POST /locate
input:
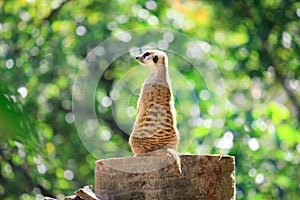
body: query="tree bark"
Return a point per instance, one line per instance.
(149, 177)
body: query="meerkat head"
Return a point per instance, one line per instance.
(154, 59)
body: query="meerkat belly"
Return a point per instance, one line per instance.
(155, 126)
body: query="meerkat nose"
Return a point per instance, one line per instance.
(137, 57)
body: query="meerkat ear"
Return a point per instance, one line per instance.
(155, 59)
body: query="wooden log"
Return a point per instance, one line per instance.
(86, 193)
(149, 177)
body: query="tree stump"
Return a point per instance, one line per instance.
(149, 177)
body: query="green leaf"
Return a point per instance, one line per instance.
(277, 112)
(288, 134)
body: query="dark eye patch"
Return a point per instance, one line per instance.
(155, 59)
(146, 54)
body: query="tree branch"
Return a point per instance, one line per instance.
(55, 11)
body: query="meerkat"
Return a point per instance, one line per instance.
(155, 130)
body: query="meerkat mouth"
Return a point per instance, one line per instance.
(140, 59)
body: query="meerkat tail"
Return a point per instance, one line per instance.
(170, 154)
(175, 160)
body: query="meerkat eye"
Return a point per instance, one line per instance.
(155, 59)
(146, 54)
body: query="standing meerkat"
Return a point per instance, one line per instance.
(155, 131)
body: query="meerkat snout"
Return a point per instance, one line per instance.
(139, 58)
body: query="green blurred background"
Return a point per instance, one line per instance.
(254, 44)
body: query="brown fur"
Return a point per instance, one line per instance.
(154, 127)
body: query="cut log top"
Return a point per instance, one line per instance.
(150, 177)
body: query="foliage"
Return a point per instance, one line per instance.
(253, 44)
